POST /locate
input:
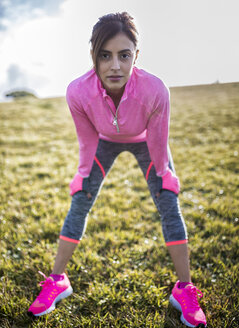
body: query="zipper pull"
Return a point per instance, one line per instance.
(115, 122)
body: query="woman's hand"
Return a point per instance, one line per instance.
(79, 184)
(170, 182)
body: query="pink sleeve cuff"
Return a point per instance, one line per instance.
(171, 182)
(76, 184)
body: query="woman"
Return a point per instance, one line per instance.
(117, 107)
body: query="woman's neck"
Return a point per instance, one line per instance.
(116, 96)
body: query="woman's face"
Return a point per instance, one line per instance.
(115, 63)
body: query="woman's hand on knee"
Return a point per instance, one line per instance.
(79, 184)
(168, 181)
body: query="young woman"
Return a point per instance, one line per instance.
(117, 107)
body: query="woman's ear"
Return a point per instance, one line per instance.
(136, 55)
(91, 53)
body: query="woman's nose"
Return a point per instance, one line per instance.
(115, 63)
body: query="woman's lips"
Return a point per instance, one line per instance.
(115, 77)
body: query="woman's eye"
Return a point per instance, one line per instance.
(125, 56)
(104, 56)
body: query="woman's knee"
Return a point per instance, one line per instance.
(167, 201)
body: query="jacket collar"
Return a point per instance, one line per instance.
(129, 87)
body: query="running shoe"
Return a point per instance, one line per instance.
(186, 301)
(51, 293)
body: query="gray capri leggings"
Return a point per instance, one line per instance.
(173, 226)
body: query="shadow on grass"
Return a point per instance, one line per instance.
(172, 318)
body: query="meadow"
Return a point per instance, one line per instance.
(121, 272)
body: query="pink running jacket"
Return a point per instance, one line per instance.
(143, 115)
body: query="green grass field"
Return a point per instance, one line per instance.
(121, 272)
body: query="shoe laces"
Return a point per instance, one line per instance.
(194, 293)
(45, 284)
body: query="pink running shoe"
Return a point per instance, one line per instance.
(52, 292)
(185, 300)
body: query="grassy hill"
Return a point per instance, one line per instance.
(121, 272)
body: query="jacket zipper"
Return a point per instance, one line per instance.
(115, 121)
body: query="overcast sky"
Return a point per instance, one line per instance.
(44, 44)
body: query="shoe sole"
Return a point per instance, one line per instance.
(177, 306)
(61, 296)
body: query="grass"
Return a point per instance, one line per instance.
(121, 272)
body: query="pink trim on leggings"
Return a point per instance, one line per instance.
(101, 167)
(149, 168)
(178, 242)
(75, 241)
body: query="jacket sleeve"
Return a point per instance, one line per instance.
(86, 133)
(158, 131)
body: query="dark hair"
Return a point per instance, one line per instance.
(107, 27)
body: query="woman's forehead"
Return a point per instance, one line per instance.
(119, 43)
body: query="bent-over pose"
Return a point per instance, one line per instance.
(118, 107)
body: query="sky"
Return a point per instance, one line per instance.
(44, 44)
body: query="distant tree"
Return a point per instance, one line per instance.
(19, 94)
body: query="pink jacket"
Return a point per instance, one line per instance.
(143, 115)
